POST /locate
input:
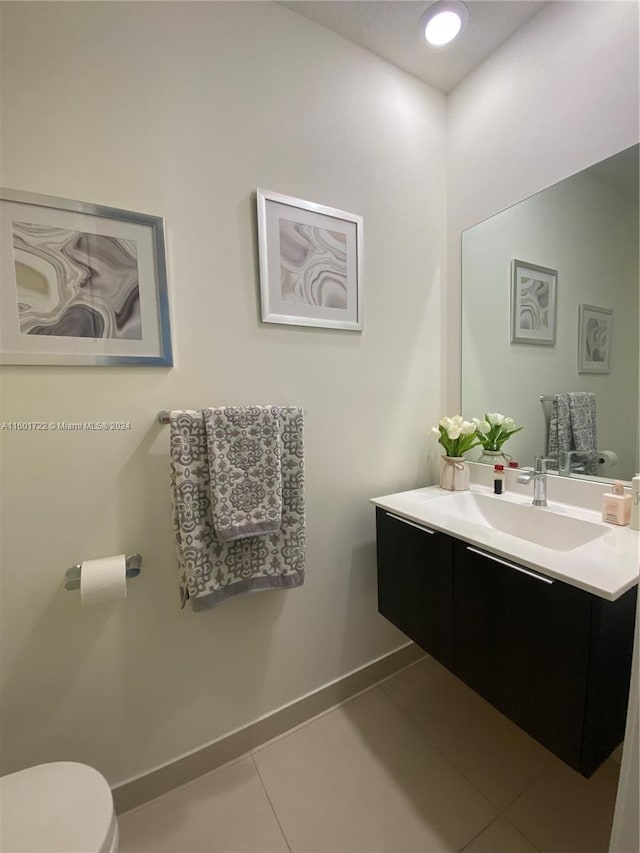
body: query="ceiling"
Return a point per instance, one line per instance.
(390, 29)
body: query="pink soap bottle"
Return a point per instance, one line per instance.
(616, 506)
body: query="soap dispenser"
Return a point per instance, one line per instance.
(616, 506)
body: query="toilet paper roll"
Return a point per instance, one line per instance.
(607, 458)
(103, 580)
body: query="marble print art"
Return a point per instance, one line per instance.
(313, 265)
(596, 342)
(534, 303)
(76, 284)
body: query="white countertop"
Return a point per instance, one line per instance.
(606, 566)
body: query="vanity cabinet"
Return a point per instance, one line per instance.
(415, 583)
(553, 658)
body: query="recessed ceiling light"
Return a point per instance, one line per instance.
(443, 21)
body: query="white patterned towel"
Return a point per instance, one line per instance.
(243, 447)
(210, 571)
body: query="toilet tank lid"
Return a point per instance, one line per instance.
(56, 807)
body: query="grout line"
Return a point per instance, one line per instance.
(497, 818)
(484, 829)
(517, 829)
(522, 793)
(273, 809)
(445, 756)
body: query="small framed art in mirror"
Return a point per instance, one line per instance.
(594, 339)
(533, 304)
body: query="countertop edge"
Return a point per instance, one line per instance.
(607, 593)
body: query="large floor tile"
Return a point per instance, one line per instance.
(500, 837)
(565, 813)
(363, 778)
(222, 812)
(497, 756)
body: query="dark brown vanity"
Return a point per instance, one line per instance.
(553, 658)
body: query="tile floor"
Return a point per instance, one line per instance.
(418, 763)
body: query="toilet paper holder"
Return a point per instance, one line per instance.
(72, 575)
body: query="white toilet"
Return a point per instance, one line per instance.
(62, 807)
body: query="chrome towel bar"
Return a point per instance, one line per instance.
(164, 417)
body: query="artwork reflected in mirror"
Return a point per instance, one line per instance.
(576, 293)
(533, 304)
(594, 339)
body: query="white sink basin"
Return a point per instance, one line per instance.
(540, 525)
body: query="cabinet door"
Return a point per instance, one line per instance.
(522, 642)
(415, 583)
(610, 657)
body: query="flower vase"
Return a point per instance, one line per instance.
(454, 473)
(494, 457)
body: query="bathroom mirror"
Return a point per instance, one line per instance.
(575, 326)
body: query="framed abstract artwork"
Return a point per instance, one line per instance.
(533, 304)
(595, 326)
(81, 284)
(310, 263)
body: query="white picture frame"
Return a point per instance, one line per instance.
(310, 263)
(533, 304)
(81, 284)
(595, 330)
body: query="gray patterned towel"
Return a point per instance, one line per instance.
(559, 426)
(574, 426)
(211, 571)
(243, 447)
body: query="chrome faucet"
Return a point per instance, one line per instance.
(539, 477)
(565, 458)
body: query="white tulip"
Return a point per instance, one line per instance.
(446, 423)
(467, 428)
(453, 432)
(483, 427)
(495, 418)
(509, 424)
(435, 432)
(457, 420)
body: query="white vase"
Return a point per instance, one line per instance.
(494, 457)
(454, 473)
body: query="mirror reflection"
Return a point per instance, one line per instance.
(550, 321)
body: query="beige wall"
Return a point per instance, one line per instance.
(183, 110)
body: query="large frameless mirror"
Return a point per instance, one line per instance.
(550, 321)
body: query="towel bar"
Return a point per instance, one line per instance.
(164, 417)
(72, 575)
